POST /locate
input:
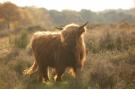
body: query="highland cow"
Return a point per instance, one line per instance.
(59, 50)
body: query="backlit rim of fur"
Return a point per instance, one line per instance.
(70, 25)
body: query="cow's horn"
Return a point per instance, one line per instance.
(84, 24)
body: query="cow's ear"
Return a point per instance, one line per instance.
(81, 28)
(60, 27)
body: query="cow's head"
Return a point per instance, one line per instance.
(73, 30)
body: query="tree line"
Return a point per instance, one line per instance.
(14, 17)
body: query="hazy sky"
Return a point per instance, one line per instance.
(94, 5)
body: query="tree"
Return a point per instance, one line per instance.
(9, 12)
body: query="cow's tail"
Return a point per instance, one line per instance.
(31, 70)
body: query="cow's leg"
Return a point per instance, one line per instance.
(45, 74)
(40, 76)
(41, 72)
(75, 71)
(31, 70)
(59, 74)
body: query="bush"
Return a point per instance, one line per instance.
(109, 39)
(109, 70)
(8, 77)
(22, 40)
(19, 40)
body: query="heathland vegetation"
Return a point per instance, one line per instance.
(110, 40)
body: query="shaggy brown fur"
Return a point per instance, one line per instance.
(58, 50)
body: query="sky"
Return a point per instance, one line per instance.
(93, 5)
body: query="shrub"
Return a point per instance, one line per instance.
(19, 40)
(22, 40)
(109, 70)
